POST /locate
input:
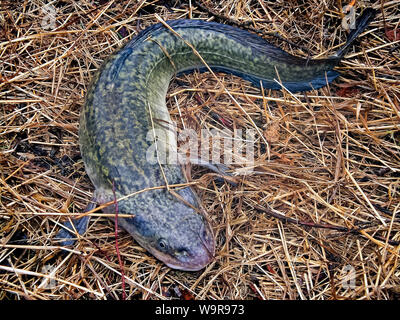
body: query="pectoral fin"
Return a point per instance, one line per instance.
(68, 234)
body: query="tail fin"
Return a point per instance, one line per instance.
(361, 23)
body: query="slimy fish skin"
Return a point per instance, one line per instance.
(126, 101)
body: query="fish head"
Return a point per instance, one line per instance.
(173, 232)
(190, 248)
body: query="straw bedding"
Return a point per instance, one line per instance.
(318, 218)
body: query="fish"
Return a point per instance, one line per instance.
(125, 106)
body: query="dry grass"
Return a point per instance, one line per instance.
(333, 158)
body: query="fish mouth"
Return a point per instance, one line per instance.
(198, 259)
(186, 267)
(194, 263)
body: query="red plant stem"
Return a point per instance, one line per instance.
(117, 246)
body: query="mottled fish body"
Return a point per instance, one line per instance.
(126, 101)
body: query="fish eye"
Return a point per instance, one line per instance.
(162, 244)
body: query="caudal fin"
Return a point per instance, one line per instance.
(361, 23)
